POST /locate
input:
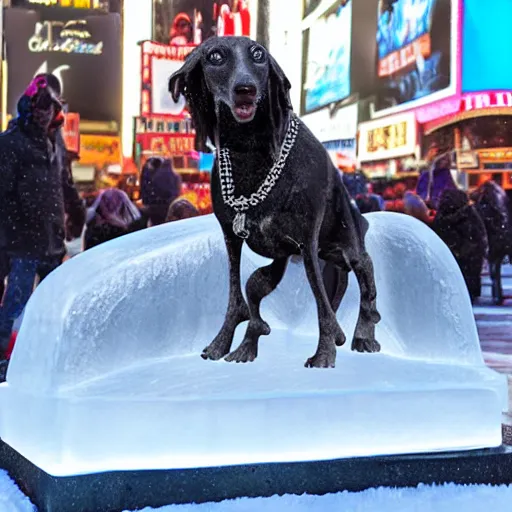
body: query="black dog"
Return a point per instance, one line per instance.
(238, 97)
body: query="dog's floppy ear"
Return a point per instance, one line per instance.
(189, 80)
(180, 80)
(279, 98)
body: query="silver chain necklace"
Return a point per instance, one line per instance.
(241, 204)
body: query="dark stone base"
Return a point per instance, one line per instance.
(130, 490)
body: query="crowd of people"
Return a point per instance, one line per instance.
(476, 227)
(43, 220)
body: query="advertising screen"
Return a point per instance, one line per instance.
(83, 52)
(185, 22)
(486, 57)
(416, 52)
(326, 77)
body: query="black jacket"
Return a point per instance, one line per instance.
(35, 190)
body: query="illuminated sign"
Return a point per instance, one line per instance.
(405, 56)
(74, 4)
(500, 155)
(71, 132)
(482, 100)
(159, 62)
(467, 160)
(100, 150)
(65, 37)
(388, 138)
(166, 144)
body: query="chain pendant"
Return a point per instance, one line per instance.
(239, 226)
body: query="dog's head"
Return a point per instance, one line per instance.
(235, 72)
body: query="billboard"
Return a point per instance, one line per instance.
(83, 52)
(327, 51)
(486, 56)
(185, 22)
(416, 53)
(159, 62)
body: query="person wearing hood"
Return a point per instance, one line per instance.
(461, 228)
(181, 30)
(494, 208)
(33, 198)
(432, 182)
(160, 185)
(112, 215)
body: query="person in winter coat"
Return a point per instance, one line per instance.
(159, 187)
(33, 198)
(112, 215)
(460, 227)
(368, 203)
(356, 183)
(432, 182)
(494, 208)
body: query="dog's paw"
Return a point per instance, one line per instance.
(365, 345)
(247, 352)
(215, 351)
(324, 359)
(340, 338)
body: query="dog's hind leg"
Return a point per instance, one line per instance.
(331, 333)
(336, 283)
(238, 311)
(261, 283)
(364, 336)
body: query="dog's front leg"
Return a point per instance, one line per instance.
(331, 334)
(238, 310)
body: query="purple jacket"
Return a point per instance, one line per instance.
(442, 179)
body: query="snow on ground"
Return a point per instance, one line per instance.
(11, 498)
(447, 498)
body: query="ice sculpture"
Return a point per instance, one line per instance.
(106, 373)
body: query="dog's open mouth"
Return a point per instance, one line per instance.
(244, 110)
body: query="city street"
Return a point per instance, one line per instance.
(495, 330)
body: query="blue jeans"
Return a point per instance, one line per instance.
(19, 288)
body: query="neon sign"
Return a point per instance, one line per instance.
(481, 100)
(69, 37)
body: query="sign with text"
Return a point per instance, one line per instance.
(388, 138)
(100, 5)
(84, 54)
(100, 150)
(485, 100)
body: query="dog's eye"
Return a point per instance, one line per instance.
(257, 54)
(216, 57)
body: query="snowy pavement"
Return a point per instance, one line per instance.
(447, 498)
(495, 325)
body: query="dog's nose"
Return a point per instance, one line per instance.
(245, 90)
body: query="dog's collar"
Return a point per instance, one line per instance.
(241, 204)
